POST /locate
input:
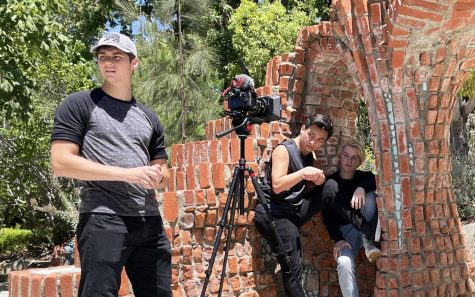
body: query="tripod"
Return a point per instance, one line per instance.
(235, 197)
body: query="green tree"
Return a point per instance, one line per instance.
(28, 31)
(29, 194)
(230, 61)
(317, 10)
(177, 84)
(31, 29)
(42, 60)
(468, 87)
(260, 32)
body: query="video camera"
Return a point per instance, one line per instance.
(243, 101)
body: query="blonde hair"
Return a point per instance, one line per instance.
(358, 147)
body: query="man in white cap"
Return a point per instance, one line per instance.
(115, 148)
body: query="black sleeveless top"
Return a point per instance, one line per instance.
(289, 201)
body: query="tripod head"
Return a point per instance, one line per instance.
(242, 124)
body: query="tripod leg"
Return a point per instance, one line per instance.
(236, 197)
(231, 194)
(273, 226)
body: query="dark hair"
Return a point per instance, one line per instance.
(321, 121)
(96, 52)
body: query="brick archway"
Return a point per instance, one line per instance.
(408, 59)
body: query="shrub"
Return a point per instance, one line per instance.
(370, 163)
(14, 240)
(463, 185)
(463, 176)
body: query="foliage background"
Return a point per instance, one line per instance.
(189, 51)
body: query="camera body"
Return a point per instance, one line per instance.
(266, 108)
(243, 100)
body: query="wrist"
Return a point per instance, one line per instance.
(121, 174)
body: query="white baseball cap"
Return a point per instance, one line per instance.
(117, 40)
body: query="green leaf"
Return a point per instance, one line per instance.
(6, 86)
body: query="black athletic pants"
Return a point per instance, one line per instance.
(108, 242)
(288, 229)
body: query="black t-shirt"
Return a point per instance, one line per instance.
(117, 133)
(346, 188)
(287, 202)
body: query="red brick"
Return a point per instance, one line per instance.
(211, 217)
(249, 150)
(66, 285)
(204, 176)
(209, 132)
(189, 199)
(284, 83)
(456, 23)
(189, 153)
(392, 229)
(187, 254)
(406, 192)
(286, 69)
(177, 158)
(199, 219)
(419, 14)
(375, 9)
(25, 285)
(235, 150)
(410, 22)
(387, 167)
(468, 65)
(211, 197)
(224, 150)
(218, 173)
(190, 177)
(431, 6)
(50, 285)
(397, 59)
(235, 283)
(397, 43)
(401, 138)
(36, 281)
(180, 180)
(300, 72)
(213, 151)
(170, 206)
(429, 131)
(407, 219)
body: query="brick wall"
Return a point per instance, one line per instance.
(408, 59)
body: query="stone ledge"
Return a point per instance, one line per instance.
(51, 282)
(8, 266)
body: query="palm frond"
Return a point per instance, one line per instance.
(164, 10)
(128, 9)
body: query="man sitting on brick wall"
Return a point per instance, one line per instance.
(288, 176)
(356, 190)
